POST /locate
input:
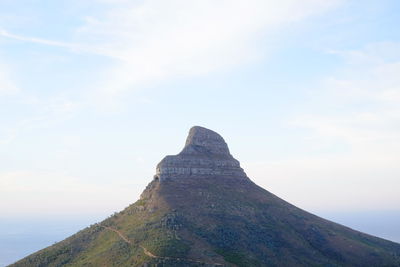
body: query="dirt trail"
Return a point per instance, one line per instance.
(119, 233)
(148, 253)
(151, 255)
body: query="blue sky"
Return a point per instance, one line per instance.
(94, 94)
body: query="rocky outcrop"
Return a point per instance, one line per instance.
(205, 153)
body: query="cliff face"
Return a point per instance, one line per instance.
(192, 214)
(205, 153)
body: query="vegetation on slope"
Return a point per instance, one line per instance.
(215, 222)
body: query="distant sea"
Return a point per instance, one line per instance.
(20, 237)
(383, 224)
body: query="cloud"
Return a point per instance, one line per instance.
(74, 47)
(352, 137)
(368, 77)
(158, 40)
(366, 97)
(6, 34)
(153, 41)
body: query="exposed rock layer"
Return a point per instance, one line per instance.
(205, 153)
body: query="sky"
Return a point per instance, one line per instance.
(93, 94)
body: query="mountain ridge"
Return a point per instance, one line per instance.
(201, 209)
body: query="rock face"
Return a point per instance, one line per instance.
(205, 154)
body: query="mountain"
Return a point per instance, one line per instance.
(201, 209)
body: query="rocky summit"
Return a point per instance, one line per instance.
(202, 210)
(205, 154)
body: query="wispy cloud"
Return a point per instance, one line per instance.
(73, 47)
(6, 34)
(357, 117)
(154, 40)
(366, 95)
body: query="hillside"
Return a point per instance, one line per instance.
(201, 209)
